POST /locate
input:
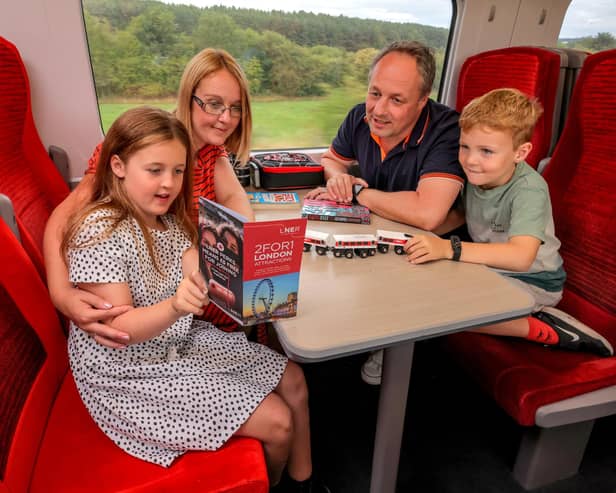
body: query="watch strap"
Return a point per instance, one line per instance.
(456, 246)
(357, 188)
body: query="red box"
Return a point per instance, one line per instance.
(285, 170)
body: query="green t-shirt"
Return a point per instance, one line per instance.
(521, 207)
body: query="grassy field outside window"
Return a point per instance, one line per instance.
(296, 122)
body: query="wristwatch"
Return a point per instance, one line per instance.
(456, 246)
(357, 188)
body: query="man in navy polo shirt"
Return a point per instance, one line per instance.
(406, 146)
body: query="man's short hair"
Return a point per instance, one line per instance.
(504, 110)
(426, 65)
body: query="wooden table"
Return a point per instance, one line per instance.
(348, 306)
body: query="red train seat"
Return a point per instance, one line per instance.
(49, 443)
(559, 394)
(27, 174)
(538, 72)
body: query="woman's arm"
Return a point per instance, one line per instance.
(228, 190)
(86, 309)
(146, 322)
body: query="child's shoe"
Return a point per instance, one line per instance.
(573, 334)
(372, 369)
(308, 486)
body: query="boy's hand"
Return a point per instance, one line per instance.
(423, 248)
(191, 295)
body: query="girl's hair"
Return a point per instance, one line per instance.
(134, 130)
(204, 63)
(507, 110)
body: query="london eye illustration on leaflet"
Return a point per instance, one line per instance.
(269, 298)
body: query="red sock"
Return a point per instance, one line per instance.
(541, 332)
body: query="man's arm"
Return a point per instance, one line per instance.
(86, 309)
(425, 208)
(455, 218)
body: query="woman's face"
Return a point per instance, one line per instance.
(217, 88)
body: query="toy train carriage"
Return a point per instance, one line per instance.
(316, 239)
(385, 239)
(347, 245)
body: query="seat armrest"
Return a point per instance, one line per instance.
(60, 159)
(8, 214)
(583, 407)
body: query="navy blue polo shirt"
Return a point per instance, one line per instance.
(431, 150)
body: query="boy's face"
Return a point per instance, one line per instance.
(488, 156)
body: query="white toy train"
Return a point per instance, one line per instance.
(362, 245)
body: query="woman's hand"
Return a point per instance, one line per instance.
(89, 312)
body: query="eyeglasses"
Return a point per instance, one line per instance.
(217, 108)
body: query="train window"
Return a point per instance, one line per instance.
(306, 67)
(588, 26)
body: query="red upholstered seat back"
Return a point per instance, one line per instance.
(582, 181)
(33, 362)
(48, 441)
(534, 71)
(27, 174)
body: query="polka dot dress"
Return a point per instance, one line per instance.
(189, 388)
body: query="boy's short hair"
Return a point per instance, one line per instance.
(505, 110)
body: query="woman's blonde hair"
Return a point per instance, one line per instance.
(134, 130)
(204, 63)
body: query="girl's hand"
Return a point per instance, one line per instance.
(423, 248)
(191, 295)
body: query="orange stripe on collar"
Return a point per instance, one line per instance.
(406, 140)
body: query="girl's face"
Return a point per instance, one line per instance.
(153, 178)
(218, 88)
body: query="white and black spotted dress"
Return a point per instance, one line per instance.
(191, 387)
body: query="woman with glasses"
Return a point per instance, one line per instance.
(214, 105)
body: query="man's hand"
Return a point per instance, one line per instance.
(191, 295)
(340, 187)
(89, 312)
(319, 193)
(423, 248)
